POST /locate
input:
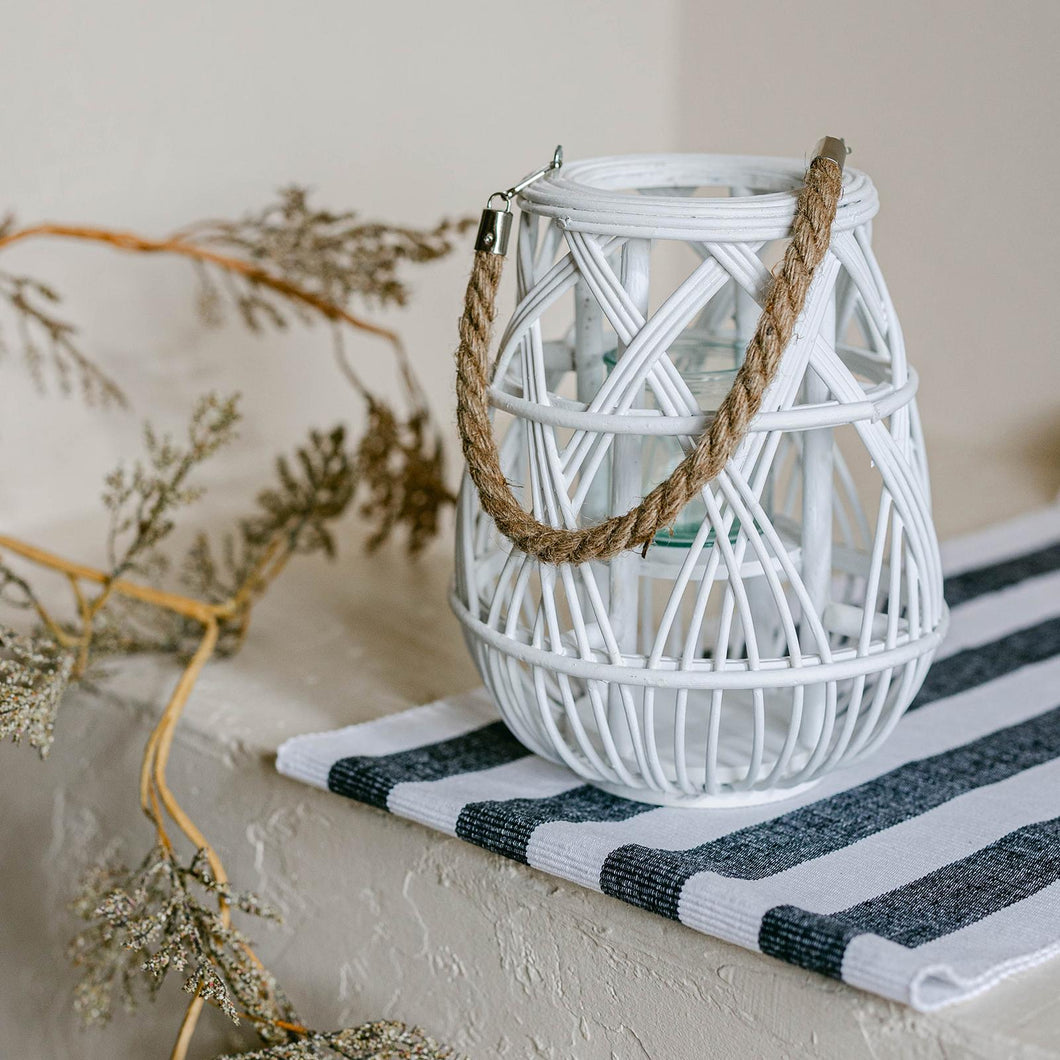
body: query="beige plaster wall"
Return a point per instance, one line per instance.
(950, 106)
(148, 116)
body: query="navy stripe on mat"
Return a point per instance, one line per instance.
(505, 826)
(959, 588)
(371, 778)
(653, 878)
(1014, 867)
(987, 662)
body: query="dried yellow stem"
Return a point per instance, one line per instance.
(182, 605)
(155, 758)
(57, 632)
(159, 749)
(182, 247)
(191, 1018)
(155, 793)
(187, 1028)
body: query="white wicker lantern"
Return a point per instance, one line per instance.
(785, 621)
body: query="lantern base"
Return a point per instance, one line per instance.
(726, 800)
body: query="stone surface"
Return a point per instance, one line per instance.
(385, 918)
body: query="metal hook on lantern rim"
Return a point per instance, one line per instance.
(507, 196)
(496, 224)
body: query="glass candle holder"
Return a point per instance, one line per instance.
(708, 365)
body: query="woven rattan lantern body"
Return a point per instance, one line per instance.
(785, 622)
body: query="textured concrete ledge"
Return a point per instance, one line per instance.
(384, 918)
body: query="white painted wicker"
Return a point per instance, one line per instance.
(785, 633)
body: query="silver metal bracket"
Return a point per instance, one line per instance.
(495, 226)
(833, 148)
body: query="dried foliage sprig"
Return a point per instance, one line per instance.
(148, 920)
(47, 339)
(48, 342)
(332, 258)
(290, 261)
(34, 673)
(292, 517)
(143, 499)
(383, 1040)
(403, 468)
(162, 917)
(287, 259)
(335, 256)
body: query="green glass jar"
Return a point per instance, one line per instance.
(708, 365)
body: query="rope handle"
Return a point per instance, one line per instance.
(811, 230)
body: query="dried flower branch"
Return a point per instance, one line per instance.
(153, 920)
(312, 492)
(335, 256)
(383, 1040)
(289, 259)
(150, 919)
(143, 499)
(48, 339)
(34, 672)
(294, 517)
(403, 468)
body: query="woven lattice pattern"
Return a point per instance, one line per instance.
(789, 618)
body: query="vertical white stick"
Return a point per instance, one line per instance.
(745, 308)
(627, 489)
(764, 611)
(817, 461)
(589, 371)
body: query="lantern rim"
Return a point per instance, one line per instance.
(637, 196)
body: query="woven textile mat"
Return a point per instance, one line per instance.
(925, 873)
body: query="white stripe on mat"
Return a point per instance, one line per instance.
(310, 757)
(568, 849)
(1015, 938)
(995, 615)
(439, 802)
(1001, 542)
(880, 863)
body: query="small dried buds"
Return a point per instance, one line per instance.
(164, 916)
(34, 672)
(383, 1040)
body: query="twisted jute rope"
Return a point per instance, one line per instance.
(810, 234)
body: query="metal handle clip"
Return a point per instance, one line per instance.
(833, 148)
(496, 224)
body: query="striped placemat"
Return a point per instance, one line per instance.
(926, 873)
